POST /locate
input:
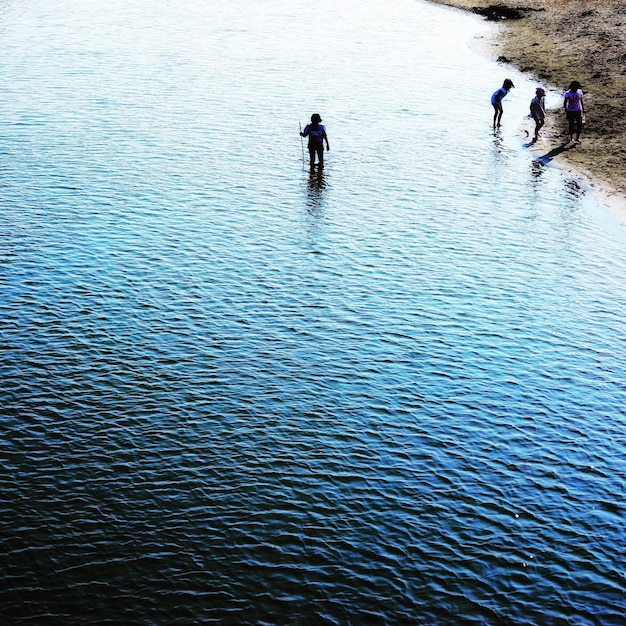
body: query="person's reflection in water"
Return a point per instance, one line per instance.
(535, 184)
(537, 169)
(316, 184)
(498, 143)
(499, 155)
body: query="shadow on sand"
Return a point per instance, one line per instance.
(546, 158)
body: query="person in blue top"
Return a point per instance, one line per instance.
(496, 101)
(316, 133)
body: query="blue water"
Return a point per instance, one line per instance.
(237, 393)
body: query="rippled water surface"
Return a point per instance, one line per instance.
(235, 393)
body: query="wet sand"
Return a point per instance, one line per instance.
(558, 42)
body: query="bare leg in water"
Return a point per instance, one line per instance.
(497, 114)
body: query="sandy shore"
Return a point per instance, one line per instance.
(558, 41)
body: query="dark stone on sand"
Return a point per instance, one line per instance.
(497, 12)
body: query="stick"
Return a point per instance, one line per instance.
(302, 142)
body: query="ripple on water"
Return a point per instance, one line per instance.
(236, 393)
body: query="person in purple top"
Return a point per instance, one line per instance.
(316, 133)
(496, 101)
(574, 109)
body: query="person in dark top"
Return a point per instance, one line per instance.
(538, 110)
(316, 133)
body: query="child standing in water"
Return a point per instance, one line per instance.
(538, 110)
(496, 101)
(317, 136)
(574, 109)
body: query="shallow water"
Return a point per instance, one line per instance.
(236, 393)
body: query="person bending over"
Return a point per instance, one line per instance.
(496, 101)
